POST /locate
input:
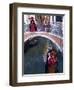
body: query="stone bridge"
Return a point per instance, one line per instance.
(55, 39)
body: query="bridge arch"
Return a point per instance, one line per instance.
(58, 41)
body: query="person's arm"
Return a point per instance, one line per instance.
(35, 27)
(48, 58)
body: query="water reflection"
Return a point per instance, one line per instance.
(35, 56)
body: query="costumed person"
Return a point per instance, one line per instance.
(52, 61)
(32, 25)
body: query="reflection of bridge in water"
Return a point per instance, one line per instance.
(55, 39)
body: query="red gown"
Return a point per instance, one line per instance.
(52, 63)
(33, 27)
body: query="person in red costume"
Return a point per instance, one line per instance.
(52, 61)
(32, 25)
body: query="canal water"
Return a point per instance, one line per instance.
(35, 57)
